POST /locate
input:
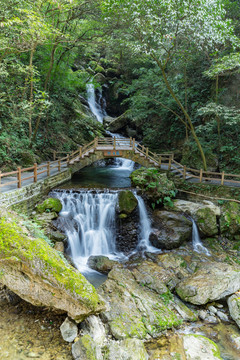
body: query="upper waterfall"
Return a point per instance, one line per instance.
(96, 105)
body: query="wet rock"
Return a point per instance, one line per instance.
(202, 314)
(94, 327)
(56, 235)
(234, 307)
(129, 349)
(222, 316)
(101, 263)
(136, 311)
(49, 205)
(107, 120)
(69, 330)
(59, 246)
(198, 347)
(230, 218)
(211, 319)
(212, 309)
(213, 281)
(86, 349)
(45, 219)
(34, 271)
(117, 123)
(204, 213)
(127, 202)
(170, 230)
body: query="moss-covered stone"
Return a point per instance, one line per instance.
(84, 349)
(230, 218)
(37, 273)
(50, 204)
(127, 202)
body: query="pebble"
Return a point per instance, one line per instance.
(202, 314)
(33, 355)
(222, 316)
(212, 320)
(212, 309)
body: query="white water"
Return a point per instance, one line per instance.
(145, 228)
(96, 106)
(92, 225)
(196, 241)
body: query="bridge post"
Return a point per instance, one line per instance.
(80, 151)
(48, 168)
(68, 159)
(222, 180)
(184, 172)
(35, 173)
(169, 163)
(114, 143)
(133, 143)
(19, 177)
(160, 160)
(54, 155)
(59, 165)
(201, 175)
(95, 142)
(147, 152)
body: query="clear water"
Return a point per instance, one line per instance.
(196, 241)
(96, 105)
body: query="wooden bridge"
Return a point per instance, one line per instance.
(102, 148)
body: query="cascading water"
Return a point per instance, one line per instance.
(196, 241)
(89, 221)
(96, 107)
(145, 228)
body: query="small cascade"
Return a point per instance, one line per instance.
(145, 228)
(97, 106)
(90, 225)
(196, 241)
(121, 163)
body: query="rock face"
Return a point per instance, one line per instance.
(35, 271)
(118, 123)
(129, 349)
(128, 220)
(204, 213)
(135, 310)
(213, 281)
(170, 230)
(197, 347)
(230, 218)
(234, 307)
(101, 263)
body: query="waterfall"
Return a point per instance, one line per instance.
(96, 105)
(144, 227)
(121, 163)
(90, 225)
(196, 241)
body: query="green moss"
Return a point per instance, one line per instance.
(37, 254)
(167, 297)
(127, 202)
(89, 347)
(50, 204)
(215, 349)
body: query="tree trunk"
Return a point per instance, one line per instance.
(174, 96)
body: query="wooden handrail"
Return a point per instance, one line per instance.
(97, 143)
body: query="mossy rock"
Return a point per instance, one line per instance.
(36, 272)
(84, 349)
(230, 218)
(127, 202)
(49, 205)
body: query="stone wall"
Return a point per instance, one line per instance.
(27, 197)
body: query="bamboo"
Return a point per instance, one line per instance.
(35, 172)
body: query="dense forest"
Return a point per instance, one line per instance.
(171, 67)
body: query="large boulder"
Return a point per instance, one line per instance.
(205, 214)
(234, 307)
(101, 263)
(127, 202)
(49, 205)
(138, 309)
(35, 271)
(170, 230)
(230, 218)
(212, 281)
(118, 123)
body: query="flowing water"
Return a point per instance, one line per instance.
(196, 241)
(97, 106)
